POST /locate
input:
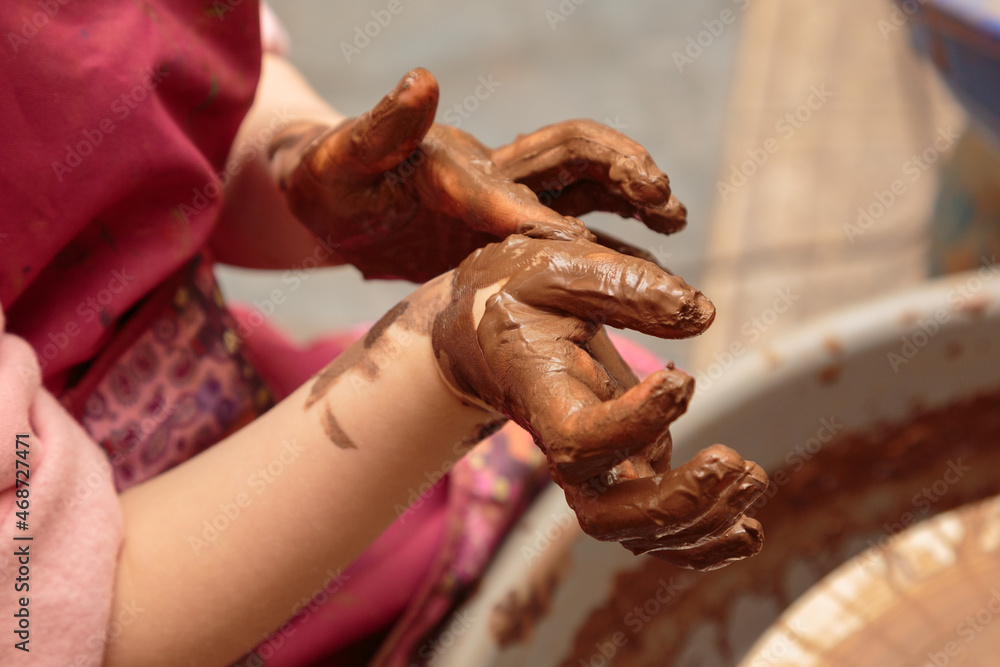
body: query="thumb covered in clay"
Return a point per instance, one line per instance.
(358, 149)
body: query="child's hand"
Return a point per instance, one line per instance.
(403, 197)
(522, 334)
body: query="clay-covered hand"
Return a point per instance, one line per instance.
(402, 197)
(523, 335)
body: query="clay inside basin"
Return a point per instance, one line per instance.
(929, 597)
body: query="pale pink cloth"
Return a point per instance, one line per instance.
(273, 36)
(73, 518)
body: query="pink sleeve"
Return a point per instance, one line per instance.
(57, 574)
(273, 36)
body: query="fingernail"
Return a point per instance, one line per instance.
(753, 528)
(696, 311)
(676, 209)
(758, 474)
(705, 305)
(650, 188)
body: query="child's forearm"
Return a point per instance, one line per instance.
(311, 490)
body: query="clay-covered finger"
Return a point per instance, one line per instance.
(574, 391)
(386, 135)
(655, 457)
(681, 508)
(566, 381)
(581, 443)
(573, 350)
(621, 176)
(732, 503)
(607, 355)
(742, 540)
(557, 390)
(593, 283)
(584, 197)
(726, 486)
(462, 182)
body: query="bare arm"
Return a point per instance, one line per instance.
(332, 483)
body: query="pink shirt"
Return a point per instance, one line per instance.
(117, 121)
(118, 118)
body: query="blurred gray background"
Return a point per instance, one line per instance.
(555, 60)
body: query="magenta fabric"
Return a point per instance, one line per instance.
(117, 120)
(179, 383)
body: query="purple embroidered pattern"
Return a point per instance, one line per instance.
(180, 387)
